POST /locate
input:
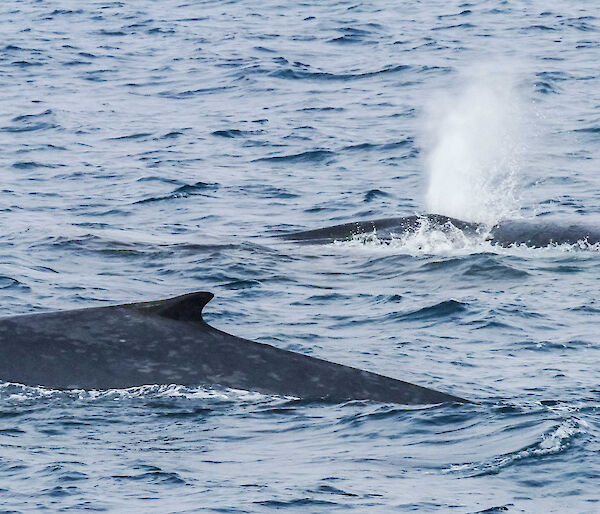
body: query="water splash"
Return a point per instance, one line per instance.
(475, 138)
(556, 441)
(14, 392)
(427, 239)
(449, 241)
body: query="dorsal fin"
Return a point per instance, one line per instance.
(187, 307)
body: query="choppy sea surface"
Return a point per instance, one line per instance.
(149, 149)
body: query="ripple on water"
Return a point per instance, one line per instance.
(145, 143)
(184, 191)
(311, 156)
(445, 310)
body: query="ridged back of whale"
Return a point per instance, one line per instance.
(168, 342)
(532, 233)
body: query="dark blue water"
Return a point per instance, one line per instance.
(149, 149)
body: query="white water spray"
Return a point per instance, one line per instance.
(475, 141)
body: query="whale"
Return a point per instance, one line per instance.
(168, 342)
(532, 233)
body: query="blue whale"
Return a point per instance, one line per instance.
(168, 342)
(532, 233)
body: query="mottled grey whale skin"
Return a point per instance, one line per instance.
(384, 228)
(168, 342)
(532, 233)
(539, 233)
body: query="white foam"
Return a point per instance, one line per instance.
(551, 443)
(427, 239)
(447, 240)
(13, 392)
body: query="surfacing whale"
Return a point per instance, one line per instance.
(533, 233)
(168, 342)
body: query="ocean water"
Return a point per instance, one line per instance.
(149, 149)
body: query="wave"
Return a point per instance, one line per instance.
(555, 441)
(7, 282)
(29, 165)
(185, 191)
(231, 133)
(182, 95)
(443, 309)
(309, 156)
(140, 135)
(304, 74)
